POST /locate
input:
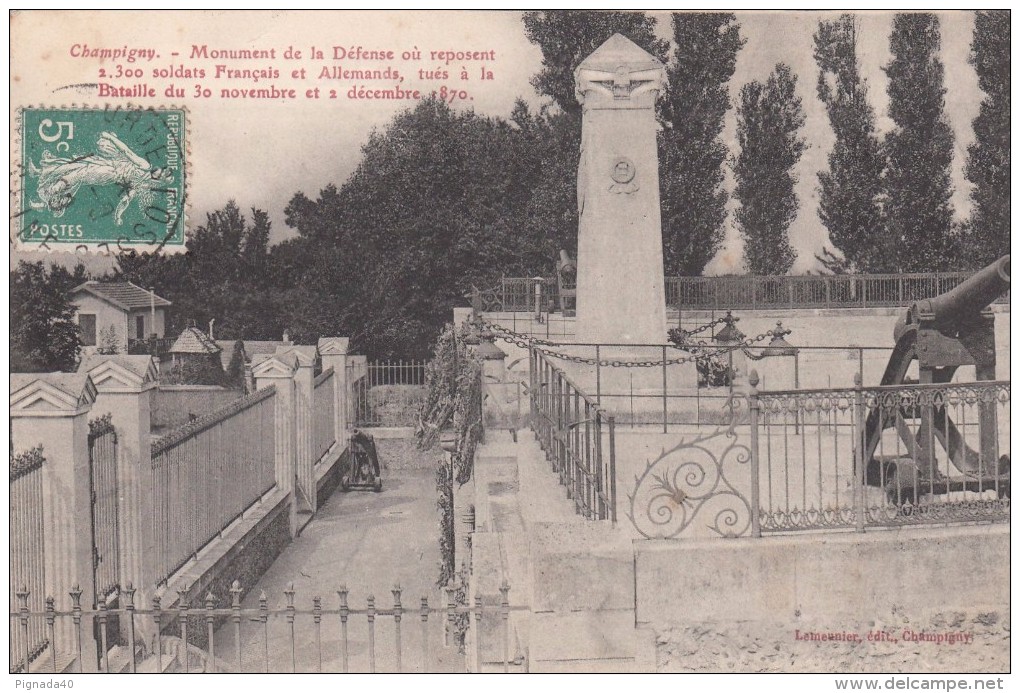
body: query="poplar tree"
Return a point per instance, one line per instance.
(919, 149)
(988, 163)
(691, 155)
(849, 202)
(769, 120)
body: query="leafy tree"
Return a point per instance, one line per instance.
(769, 119)
(44, 334)
(224, 274)
(919, 149)
(567, 37)
(691, 154)
(438, 203)
(988, 163)
(850, 191)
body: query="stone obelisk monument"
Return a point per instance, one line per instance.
(620, 287)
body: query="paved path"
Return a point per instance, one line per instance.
(368, 541)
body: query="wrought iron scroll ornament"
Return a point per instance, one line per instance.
(688, 481)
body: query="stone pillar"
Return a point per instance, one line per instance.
(125, 387)
(621, 296)
(333, 351)
(51, 410)
(304, 397)
(279, 370)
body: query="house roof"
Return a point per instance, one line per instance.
(123, 295)
(194, 341)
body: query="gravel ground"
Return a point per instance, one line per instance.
(755, 646)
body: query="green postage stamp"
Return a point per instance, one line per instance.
(102, 177)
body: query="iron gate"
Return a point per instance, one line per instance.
(105, 520)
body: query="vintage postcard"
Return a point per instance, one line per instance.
(511, 342)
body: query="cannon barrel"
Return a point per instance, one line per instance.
(970, 297)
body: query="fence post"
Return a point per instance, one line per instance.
(304, 398)
(752, 407)
(333, 351)
(279, 370)
(125, 388)
(51, 410)
(860, 463)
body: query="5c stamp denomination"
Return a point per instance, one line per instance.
(95, 177)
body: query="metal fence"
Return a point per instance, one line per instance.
(578, 437)
(105, 493)
(323, 428)
(27, 568)
(389, 394)
(884, 456)
(329, 633)
(207, 473)
(753, 292)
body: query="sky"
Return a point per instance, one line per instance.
(261, 153)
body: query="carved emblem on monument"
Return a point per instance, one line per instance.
(623, 174)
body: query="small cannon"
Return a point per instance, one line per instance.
(363, 470)
(954, 329)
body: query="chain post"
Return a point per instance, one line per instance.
(210, 624)
(344, 611)
(397, 611)
(425, 634)
(235, 607)
(22, 596)
(129, 606)
(504, 610)
(317, 618)
(264, 617)
(752, 406)
(76, 616)
(289, 594)
(182, 607)
(50, 628)
(157, 619)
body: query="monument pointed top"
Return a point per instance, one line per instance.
(620, 52)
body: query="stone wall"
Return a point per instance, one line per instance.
(175, 405)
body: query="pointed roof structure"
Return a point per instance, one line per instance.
(620, 52)
(194, 341)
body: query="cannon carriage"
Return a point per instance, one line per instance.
(942, 334)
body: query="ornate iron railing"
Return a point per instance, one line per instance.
(937, 456)
(205, 474)
(389, 394)
(27, 555)
(220, 634)
(578, 437)
(796, 460)
(322, 414)
(517, 294)
(105, 504)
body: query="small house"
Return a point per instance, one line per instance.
(116, 316)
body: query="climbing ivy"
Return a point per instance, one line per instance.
(453, 399)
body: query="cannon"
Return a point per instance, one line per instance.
(953, 329)
(363, 470)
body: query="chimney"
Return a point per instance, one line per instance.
(286, 337)
(211, 323)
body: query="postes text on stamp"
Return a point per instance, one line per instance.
(102, 177)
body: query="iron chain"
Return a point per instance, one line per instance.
(527, 342)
